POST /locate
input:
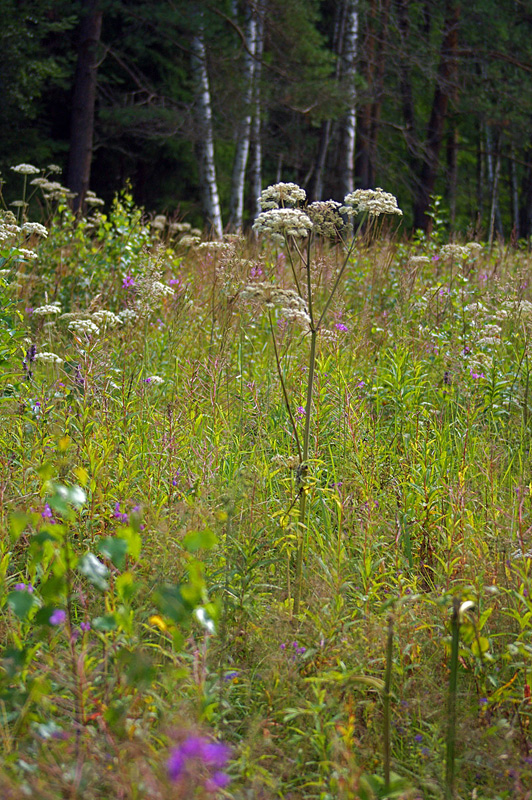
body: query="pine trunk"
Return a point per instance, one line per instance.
(83, 103)
(435, 129)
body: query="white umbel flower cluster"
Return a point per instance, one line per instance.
(35, 227)
(291, 305)
(48, 358)
(281, 195)
(127, 316)
(155, 380)
(26, 169)
(282, 222)
(106, 318)
(461, 250)
(84, 326)
(374, 201)
(50, 308)
(325, 217)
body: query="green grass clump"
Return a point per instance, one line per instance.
(217, 526)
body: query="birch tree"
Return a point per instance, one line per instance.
(205, 137)
(236, 203)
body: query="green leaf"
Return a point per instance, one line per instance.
(133, 539)
(17, 524)
(94, 570)
(104, 624)
(199, 540)
(21, 603)
(115, 550)
(125, 586)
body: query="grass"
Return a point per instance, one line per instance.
(166, 517)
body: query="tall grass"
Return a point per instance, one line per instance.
(166, 517)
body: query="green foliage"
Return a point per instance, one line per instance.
(149, 528)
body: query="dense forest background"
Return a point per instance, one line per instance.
(199, 104)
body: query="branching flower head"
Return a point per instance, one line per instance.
(281, 195)
(35, 227)
(325, 217)
(26, 169)
(282, 222)
(373, 201)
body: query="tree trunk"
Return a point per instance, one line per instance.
(83, 103)
(346, 160)
(205, 142)
(236, 203)
(514, 190)
(444, 81)
(256, 141)
(378, 92)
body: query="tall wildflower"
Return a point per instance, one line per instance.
(285, 219)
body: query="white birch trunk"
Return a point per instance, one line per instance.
(348, 68)
(256, 143)
(236, 203)
(205, 148)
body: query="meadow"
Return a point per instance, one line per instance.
(265, 506)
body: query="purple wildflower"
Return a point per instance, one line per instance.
(341, 327)
(128, 282)
(175, 764)
(85, 627)
(418, 737)
(22, 587)
(213, 755)
(301, 411)
(58, 617)
(117, 514)
(218, 781)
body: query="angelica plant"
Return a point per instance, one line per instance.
(299, 230)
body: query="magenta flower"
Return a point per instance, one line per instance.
(341, 327)
(128, 282)
(58, 617)
(23, 587)
(196, 752)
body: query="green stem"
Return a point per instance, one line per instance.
(285, 393)
(451, 702)
(294, 274)
(303, 467)
(386, 705)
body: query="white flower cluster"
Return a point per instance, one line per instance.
(83, 326)
(520, 307)
(35, 227)
(26, 169)
(281, 222)
(461, 250)
(281, 195)
(106, 318)
(92, 200)
(418, 260)
(50, 308)
(158, 223)
(325, 217)
(127, 316)
(291, 305)
(179, 227)
(374, 201)
(48, 358)
(189, 241)
(215, 246)
(155, 380)
(53, 190)
(28, 254)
